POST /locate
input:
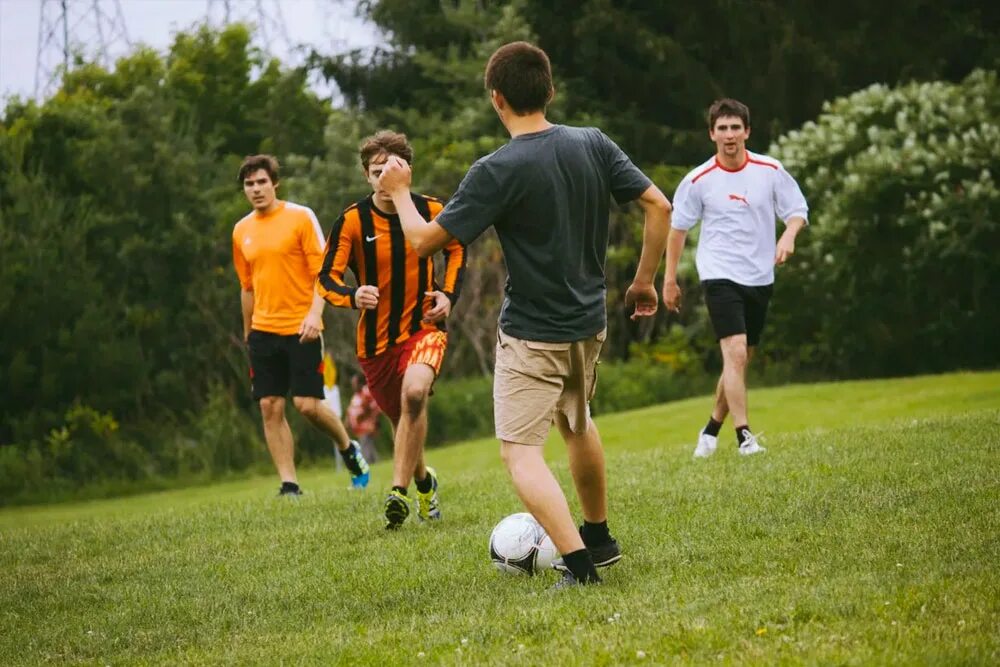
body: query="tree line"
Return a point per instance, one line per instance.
(121, 358)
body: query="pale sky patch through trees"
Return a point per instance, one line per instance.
(328, 25)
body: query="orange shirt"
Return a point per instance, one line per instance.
(371, 243)
(278, 256)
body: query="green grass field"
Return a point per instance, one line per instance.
(869, 533)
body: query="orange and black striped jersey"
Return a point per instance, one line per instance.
(371, 243)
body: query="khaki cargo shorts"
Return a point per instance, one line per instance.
(534, 381)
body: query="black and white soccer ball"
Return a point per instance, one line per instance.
(519, 545)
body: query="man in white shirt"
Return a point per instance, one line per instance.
(737, 196)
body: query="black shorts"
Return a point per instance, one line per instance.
(736, 309)
(281, 363)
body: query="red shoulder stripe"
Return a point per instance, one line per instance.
(695, 179)
(766, 164)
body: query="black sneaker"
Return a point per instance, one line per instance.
(569, 581)
(291, 492)
(603, 555)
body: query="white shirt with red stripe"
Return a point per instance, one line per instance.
(737, 210)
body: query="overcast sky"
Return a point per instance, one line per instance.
(330, 25)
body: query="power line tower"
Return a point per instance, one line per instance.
(264, 15)
(89, 29)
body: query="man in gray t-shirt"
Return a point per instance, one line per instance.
(547, 194)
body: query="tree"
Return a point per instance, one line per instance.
(116, 292)
(898, 271)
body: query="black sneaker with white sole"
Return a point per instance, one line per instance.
(569, 581)
(603, 555)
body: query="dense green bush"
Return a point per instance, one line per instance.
(899, 270)
(460, 409)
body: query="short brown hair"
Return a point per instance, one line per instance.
(522, 73)
(252, 163)
(728, 107)
(385, 142)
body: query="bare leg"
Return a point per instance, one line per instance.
(411, 431)
(721, 408)
(735, 358)
(322, 417)
(279, 437)
(541, 494)
(586, 463)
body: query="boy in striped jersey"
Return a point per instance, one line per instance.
(401, 337)
(277, 250)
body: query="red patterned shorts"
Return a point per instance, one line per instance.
(385, 371)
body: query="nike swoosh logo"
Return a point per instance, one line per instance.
(372, 238)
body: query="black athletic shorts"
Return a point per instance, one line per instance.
(736, 309)
(281, 363)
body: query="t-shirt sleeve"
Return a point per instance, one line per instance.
(475, 206)
(312, 241)
(242, 266)
(687, 206)
(627, 180)
(789, 202)
(339, 247)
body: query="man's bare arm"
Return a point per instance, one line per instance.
(671, 290)
(641, 295)
(426, 237)
(246, 302)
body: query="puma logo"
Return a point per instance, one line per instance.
(739, 198)
(372, 238)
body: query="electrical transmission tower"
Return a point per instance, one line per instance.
(92, 30)
(264, 15)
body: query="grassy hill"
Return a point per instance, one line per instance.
(868, 533)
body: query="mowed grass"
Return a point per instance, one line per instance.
(869, 533)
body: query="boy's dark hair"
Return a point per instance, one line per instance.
(728, 107)
(522, 73)
(385, 142)
(252, 163)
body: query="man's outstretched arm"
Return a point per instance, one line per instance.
(426, 237)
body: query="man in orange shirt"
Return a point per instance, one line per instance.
(401, 332)
(277, 252)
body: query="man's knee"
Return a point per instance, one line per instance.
(514, 455)
(506, 455)
(414, 398)
(272, 407)
(307, 406)
(735, 351)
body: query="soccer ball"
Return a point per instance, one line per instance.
(519, 545)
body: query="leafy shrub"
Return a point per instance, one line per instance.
(898, 271)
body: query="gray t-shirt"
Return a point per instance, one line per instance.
(548, 194)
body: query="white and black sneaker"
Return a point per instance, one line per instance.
(750, 444)
(706, 445)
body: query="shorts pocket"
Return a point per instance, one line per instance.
(547, 347)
